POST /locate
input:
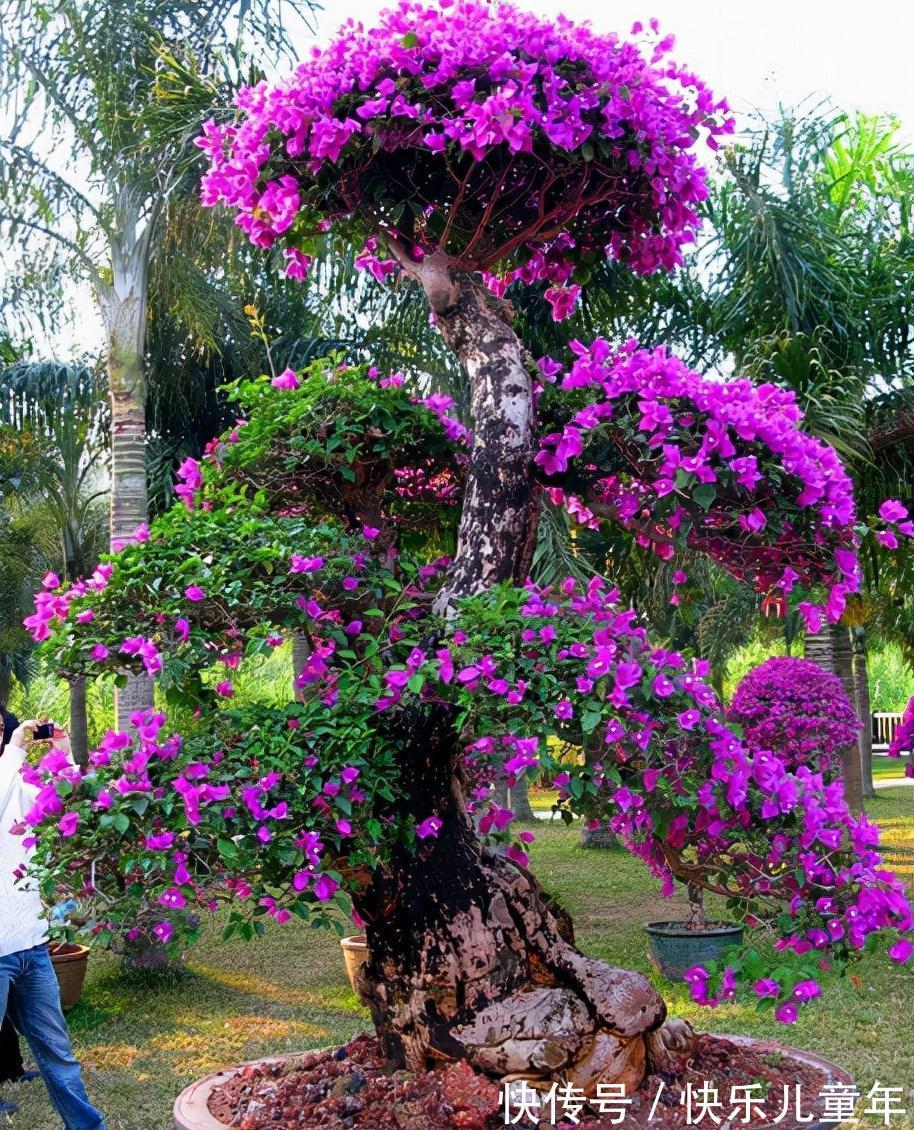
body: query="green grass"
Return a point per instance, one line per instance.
(141, 1040)
(885, 767)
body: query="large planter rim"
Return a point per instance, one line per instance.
(678, 929)
(191, 1110)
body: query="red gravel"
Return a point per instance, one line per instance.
(349, 1089)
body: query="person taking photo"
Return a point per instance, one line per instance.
(29, 992)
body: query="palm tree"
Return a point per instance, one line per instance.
(806, 278)
(23, 558)
(60, 413)
(98, 176)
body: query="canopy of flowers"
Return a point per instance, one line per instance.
(284, 810)
(526, 147)
(683, 460)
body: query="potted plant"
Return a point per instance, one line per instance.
(676, 947)
(295, 529)
(70, 961)
(355, 954)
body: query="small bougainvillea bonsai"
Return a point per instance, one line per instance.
(793, 706)
(469, 147)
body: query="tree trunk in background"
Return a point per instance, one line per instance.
(123, 307)
(863, 708)
(500, 791)
(520, 802)
(830, 648)
(300, 653)
(79, 721)
(467, 959)
(602, 836)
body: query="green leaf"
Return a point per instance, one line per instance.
(704, 495)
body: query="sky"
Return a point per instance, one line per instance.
(760, 52)
(757, 54)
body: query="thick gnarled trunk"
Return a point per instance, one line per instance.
(468, 958)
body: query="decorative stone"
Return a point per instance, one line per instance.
(609, 1059)
(625, 1002)
(538, 1031)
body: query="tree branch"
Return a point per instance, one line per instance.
(63, 186)
(431, 272)
(64, 241)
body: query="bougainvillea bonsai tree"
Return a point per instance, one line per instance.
(793, 706)
(466, 149)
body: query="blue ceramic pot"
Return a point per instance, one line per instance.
(675, 949)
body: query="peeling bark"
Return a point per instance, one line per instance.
(469, 958)
(493, 540)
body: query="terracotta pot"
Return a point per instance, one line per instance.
(70, 961)
(674, 949)
(191, 1109)
(355, 954)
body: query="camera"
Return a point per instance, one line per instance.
(43, 732)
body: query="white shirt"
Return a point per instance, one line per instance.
(22, 924)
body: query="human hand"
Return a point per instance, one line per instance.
(18, 738)
(61, 739)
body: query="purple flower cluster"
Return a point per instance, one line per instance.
(723, 466)
(52, 606)
(797, 709)
(186, 802)
(546, 145)
(897, 520)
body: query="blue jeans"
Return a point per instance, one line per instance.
(29, 992)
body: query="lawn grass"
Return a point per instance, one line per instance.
(142, 1039)
(885, 767)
